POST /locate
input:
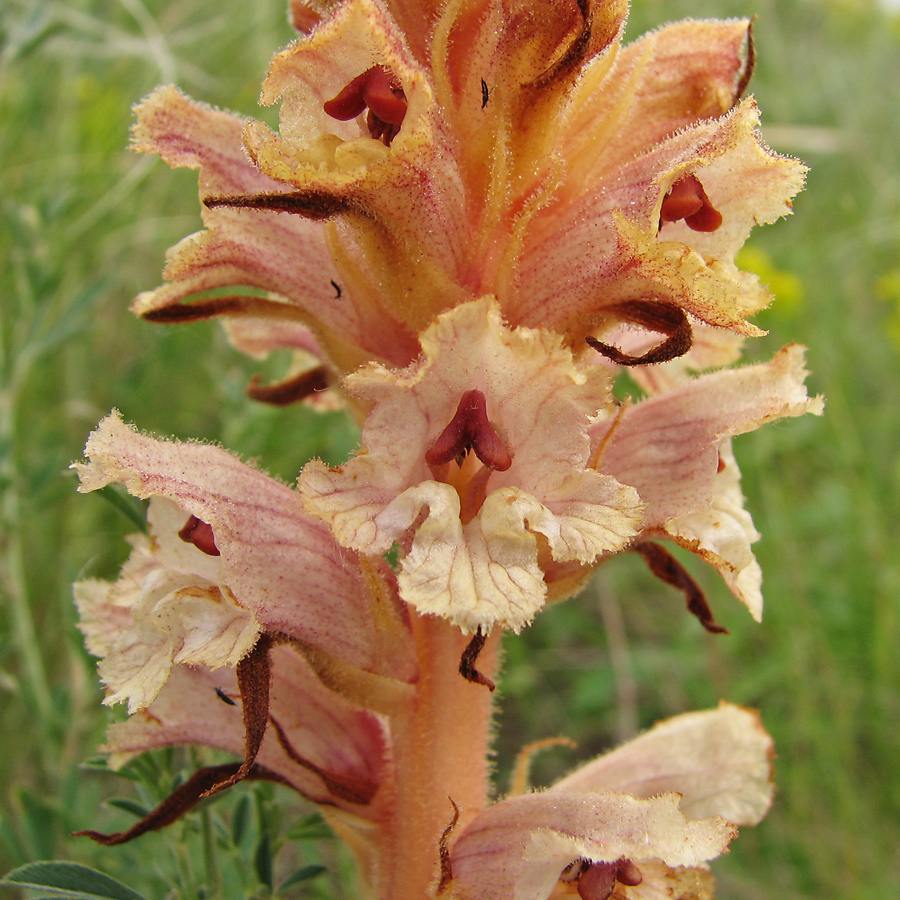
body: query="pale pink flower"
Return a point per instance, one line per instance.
(231, 555)
(639, 823)
(675, 449)
(238, 623)
(327, 749)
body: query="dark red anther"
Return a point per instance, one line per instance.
(378, 90)
(687, 200)
(199, 534)
(628, 873)
(598, 881)
(470, 429)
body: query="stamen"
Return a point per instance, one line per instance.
(628, 873)
(687, 200)
(470, 429)
(598, 880)
(199, 534)
(378, 90)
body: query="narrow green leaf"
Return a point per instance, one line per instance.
(70, 880)
(40, 824)
(240, 819)
(132, 509)
(304, 873)
(310, 828)
(138, 810)
(9, 840)
(262, 861)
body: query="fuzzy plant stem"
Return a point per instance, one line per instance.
(441, 758)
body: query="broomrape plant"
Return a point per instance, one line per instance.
(474, 215)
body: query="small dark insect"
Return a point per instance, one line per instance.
(337, 288)
(224, 697)
(485, 94)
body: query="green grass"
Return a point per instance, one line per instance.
(84, 227)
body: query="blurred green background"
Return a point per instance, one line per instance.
(84, 228)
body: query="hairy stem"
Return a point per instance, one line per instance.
(441, 759)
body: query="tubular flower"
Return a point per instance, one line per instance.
(231, 555)
(316, 742)
(637, 823)
(428, 155)
(476, 461)
(238, 623)
(675, 449)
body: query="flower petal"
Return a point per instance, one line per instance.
(561, 285)
(282, 254)
(518, 848)
(718, 760)
(667, 446)
(660, 84)
(503, 71)
(401, 207)
(346, 745)
(671, 448)
(722, 534)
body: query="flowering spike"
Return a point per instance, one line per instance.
(532, 201)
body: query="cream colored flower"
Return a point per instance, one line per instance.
(476, 461)
(166, 609)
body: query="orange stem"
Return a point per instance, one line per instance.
(440, 754)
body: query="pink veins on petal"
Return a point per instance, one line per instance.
(687, 200)
(470, 429)
(378, 90)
